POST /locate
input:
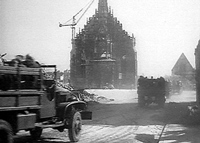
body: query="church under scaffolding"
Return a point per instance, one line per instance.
(103, 53)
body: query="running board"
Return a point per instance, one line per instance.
(49, 125)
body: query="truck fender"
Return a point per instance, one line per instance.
(78, 105)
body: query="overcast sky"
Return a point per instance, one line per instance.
(163, 29)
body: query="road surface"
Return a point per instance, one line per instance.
(118, 119)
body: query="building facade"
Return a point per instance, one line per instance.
(197, 72)
(103, 53)
(183, 68)
(184, 72)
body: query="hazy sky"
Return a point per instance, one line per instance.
(163, 29)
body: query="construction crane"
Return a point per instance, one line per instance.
(74, 22)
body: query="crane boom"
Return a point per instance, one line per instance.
(74, 23)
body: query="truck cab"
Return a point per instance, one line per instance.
(31, 100)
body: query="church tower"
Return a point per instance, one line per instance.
(103, 7)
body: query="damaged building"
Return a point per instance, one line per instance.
(103, 53)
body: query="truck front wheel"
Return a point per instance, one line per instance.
(6, 135)
(75, 125)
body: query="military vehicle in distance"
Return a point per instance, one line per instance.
(151, 91)
(176, 87)
(29, 101)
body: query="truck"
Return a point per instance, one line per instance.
(151, 91)
(31, 101)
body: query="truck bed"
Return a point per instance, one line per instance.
(19, 70)
(20, 78)
(19, 97)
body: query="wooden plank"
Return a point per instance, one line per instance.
(7, 101)
(19, 101)
(21, 92)
(8, 70)
(29, 71)
(19, 108)
(28, 100)
(21, 70)
(2, 71)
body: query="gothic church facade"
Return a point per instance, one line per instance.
(103, 53)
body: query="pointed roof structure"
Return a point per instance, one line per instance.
(103, 7)
(182, 67)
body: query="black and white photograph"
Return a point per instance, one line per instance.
(100, 71)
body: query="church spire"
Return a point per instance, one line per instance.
(103, 7)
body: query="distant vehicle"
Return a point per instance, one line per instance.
(151, 91)
(176, 87)
(31, 102)
(108, 86)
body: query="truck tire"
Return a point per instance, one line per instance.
(36, 133)
(75, 123)
(6, 134)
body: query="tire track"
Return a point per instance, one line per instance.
(108, 133)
